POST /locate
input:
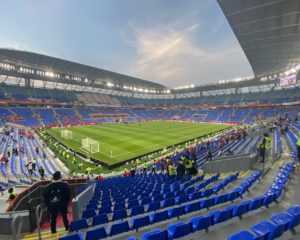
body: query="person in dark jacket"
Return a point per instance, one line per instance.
(57, 196)
(180, 169)
(42, 172)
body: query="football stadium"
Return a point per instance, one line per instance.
(163, 148)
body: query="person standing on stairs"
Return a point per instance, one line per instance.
(57, 196)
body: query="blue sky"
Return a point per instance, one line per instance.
(173, 42)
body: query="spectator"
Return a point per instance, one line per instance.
(298, 149)
(57, 196)
(132, 172)
(12, 195)
(34, 164)
(171, 171)
(180, 169)
(42, 172)
(145, 168)
(208, 156)
(8, 151)
(153, 167)
(29, 168)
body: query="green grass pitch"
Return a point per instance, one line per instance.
(119, 142)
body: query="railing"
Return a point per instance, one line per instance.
(16, 227)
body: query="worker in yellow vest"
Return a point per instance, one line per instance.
(189, 166)
(171, 171)
(12, 195)
(145, 168)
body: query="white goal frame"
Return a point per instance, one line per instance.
(66, 134)
(90, 145)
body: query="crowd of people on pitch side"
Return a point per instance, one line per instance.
(19, 149)
(186, 164)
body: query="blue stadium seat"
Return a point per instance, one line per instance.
(245, 235)
(168, 202)
(181, 199)
(89, 213)
(137, 210)
(76, 236)
(232, 196)
(158, 217)
(221, 199)
(200, 223)
(119, 215)
(100, 219)
(241, 209)
(220, 216)
(133, 203)
(266, 228)
(191, 207)
(119, 206)
(176, 212)
(146, 200)
(179, 229)
(96, 233)
(77, 225)
(156, 234)
(268, 199)
(168, 195)
(157, 198)
(256, 203)
(283, 218)
(105, 209)
(195, 196)
(207, 203)
(118, 228)
(153, 206)
(295, 211)
(139, 222)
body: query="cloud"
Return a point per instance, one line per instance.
(172, 57)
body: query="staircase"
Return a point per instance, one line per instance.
(5, 93)
(11, 111)
(56, 116)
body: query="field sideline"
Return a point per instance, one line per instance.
(124, 141)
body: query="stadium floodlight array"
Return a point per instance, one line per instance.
(66, 134)
(90, 145)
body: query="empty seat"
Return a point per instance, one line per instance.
(283, 218)
(118, 228)
(105, 209)
(139, 222)
(137, 210)
(158, 217)
(88, 213)
(221, 199)
(96, 233)
(179, 229)
(240, 210)
(119, 215)
(168, 202)
(146, 200)
(157, 198)
(195, 196)
(119, 206)
(78, 225)
(256, 203)
(244, 235)
(100, 219)
(132, 203)
(191, 207)
(181, 199)
(207, 203)
(272, 230)
(176, 212)
(295, 211)
(200, 223)
(156, 234)
(153, 206)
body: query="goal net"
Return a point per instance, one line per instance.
(90, 145)
(66, 134)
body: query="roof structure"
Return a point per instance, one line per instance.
(45, 63)
(268, 32)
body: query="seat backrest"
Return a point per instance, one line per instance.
(96, 233)
(100, 219)
(78, 224)
(119, 227)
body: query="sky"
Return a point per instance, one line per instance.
(171, 42)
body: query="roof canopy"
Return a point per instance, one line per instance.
(268, 31)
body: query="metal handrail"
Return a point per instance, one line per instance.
(16, 233)
(38, 215)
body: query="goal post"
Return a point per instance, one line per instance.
(90, 145)
(66, 134)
